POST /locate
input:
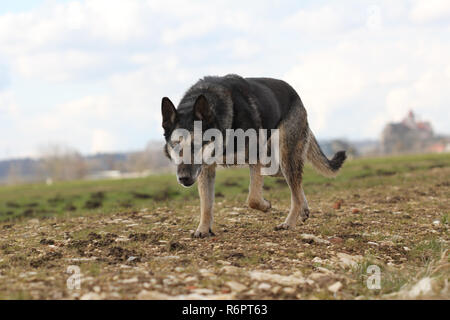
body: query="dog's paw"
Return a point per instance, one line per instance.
(263, 205)
(305, 214)
(203, 234)
(284, 226)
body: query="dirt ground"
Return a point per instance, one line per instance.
(401, 229)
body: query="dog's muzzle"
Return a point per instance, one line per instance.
(186, 181)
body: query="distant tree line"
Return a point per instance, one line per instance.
(59, 162)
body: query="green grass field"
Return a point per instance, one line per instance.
(109, 196)
(131, 238)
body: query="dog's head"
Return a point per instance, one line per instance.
(178, 128)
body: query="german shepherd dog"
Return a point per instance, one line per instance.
(233, 102)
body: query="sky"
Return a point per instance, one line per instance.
(91, 74)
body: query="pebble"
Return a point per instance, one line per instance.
(152, 295)
(236, 286)
(264, 286)
(336, 240)
(276, 290)
(318, 260)
(91, 296)
(191, 279)
(289, 290)
(335, 287)
(422, 288)
(314, 238)
(271, 244)
(317, 275)
(230, 269)
(347, 260)
(131, 280)
(294, 279)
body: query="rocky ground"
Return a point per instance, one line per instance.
(149, 254)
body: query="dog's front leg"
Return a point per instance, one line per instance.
(206, 192)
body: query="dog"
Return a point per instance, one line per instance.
(234, 102)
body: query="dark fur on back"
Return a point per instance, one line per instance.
(240, 102)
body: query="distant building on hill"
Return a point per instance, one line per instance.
(411, 136)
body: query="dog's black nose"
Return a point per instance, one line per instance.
(186, 181)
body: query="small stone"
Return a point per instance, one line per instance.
(276, 290)
(294, 279)
(97, 289)
(131, 280)
(152, 295)
(336, 240)
(309, 238)
(169, 258)
(203, 291)
(324, 270)
(191, 279)
(422, 288)
(347, 260)
(230, 269)
(264, 286)
(335, 287)
(436, 222)
(316, 275)
(337, 205)
(289, 290)
(373, 244)
(317, 260)
(91, 296)
(236, 286)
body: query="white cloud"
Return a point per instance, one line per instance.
(325, 81)
(59, 66)
(103, 141)
(322, 20)
(430, 11)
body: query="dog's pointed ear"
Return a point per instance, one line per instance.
(169, 113)
(202, 109)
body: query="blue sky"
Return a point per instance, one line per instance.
(91, 74)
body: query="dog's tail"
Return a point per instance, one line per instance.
(320, 162)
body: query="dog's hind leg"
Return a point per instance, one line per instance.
(206, 191)
(255, 198)
(294, 142)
